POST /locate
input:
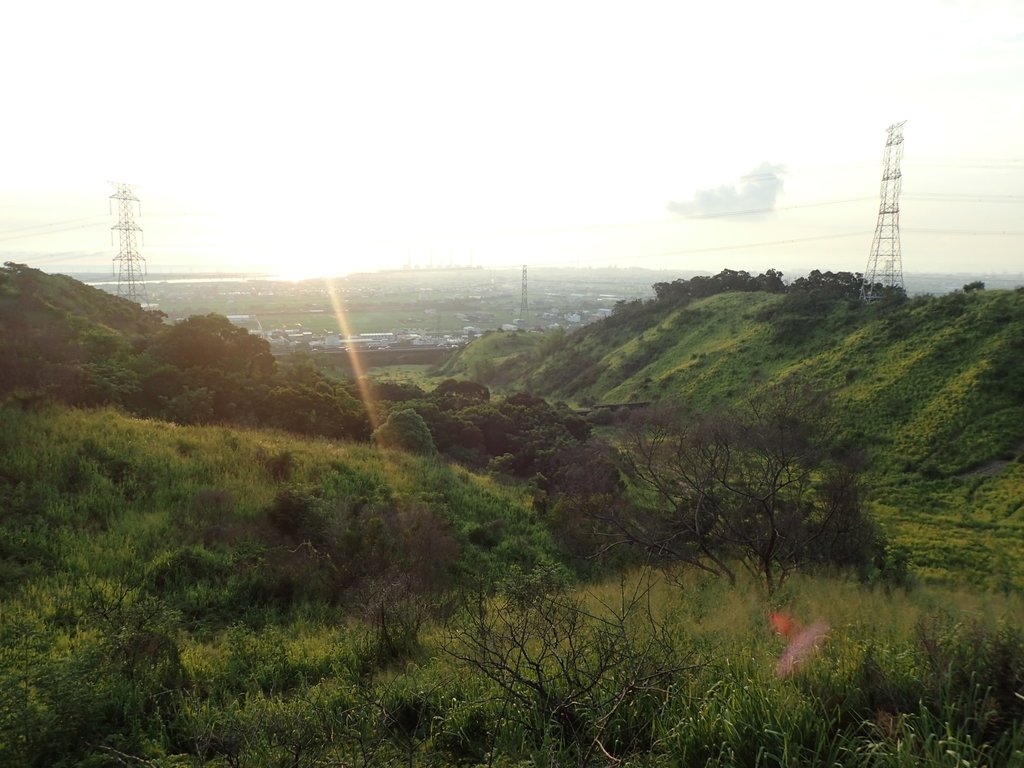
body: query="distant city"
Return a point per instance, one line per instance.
(428, 309)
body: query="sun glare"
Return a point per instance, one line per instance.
(301, 274)
(358, 370)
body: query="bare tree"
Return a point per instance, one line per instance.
(762, 486)
(567, 672)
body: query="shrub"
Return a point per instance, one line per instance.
(281, 465)
(405, 429)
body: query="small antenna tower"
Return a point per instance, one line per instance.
(885, 264)
(131, 267)
(523, 303)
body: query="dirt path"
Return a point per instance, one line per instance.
(994, 467)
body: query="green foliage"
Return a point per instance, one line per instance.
(151, 571)
(929, 387)
(212, 343)
(147, 639)
(269, 520)
(197, 595)
(498, 359)
(66, 342)
(405, 429)
(518, 435)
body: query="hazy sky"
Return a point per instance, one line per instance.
(306, 137)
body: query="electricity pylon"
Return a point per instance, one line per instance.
(131, 267)
(523, 303)
(885, 264)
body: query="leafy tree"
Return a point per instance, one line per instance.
(517, 435)
(770, 282)
(213, 343)
(808, 300)
(525, 432)
(725, 281)
(830, 285)
(407, 430)
(315, 410)
(393, 391)
(581, 483)
(465, 391)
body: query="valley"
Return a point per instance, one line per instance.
(212, 555)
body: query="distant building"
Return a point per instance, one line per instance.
(250, 322)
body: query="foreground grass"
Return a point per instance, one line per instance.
(160, 607)
(925, 677)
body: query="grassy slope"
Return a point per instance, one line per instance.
(932, 389)
(500, 359)
(52, 325)
(116, 531)
(31, 299)
(93, 503)
(92, 492)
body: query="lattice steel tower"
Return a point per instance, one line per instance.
(130, 266)
(522, 303)
(885, 264)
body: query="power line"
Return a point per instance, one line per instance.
(761, 244)
(964, 197)
(61, 226)
(684, 251)
(969, 232)
(56, 258)
(1009, 163)
(711, 249)
(523, 305)
(773, 209)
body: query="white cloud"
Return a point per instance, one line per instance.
(752, 197)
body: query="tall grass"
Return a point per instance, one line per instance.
(149, 614)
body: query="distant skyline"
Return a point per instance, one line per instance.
(331, 138)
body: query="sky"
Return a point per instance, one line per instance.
(307, 138)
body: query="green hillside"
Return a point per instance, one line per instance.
(935, 381)
(64, 342)
(136, 491)
(128, 546)
(55, 329)
(932, 388)
(206, 559)
(180, 596)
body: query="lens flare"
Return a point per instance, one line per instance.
(365, 394)
(803, 641)
(784, 624)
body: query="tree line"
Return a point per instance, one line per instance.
(833, 285)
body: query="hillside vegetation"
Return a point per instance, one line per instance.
(181, 595)
(211, 559)
(932, 388)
